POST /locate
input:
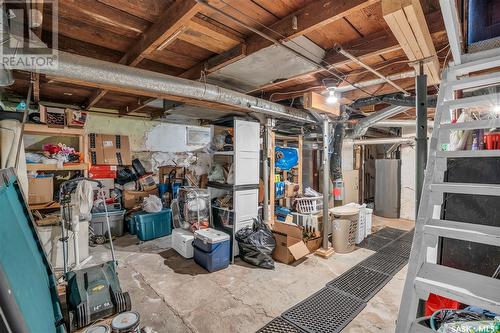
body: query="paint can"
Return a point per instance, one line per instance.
(99, 328)
(126, 322)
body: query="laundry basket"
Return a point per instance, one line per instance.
(364, 223)
(309, 205)
(345, 224)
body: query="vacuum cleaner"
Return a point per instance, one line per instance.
(94, 292)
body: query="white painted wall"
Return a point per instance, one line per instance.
(408, 178)
(347, 155)
(154, 143)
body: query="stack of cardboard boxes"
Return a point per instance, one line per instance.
(293, 241)
(107, 153)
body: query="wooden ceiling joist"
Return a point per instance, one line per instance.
(318, 13)
(141, 104)
(378, 43)
(173, 20)
(36, 18)
(407, 22)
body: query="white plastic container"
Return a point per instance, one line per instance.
(368, 213)
(182, 242)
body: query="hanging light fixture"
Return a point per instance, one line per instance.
(332, 98)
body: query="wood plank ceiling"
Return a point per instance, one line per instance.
(184, 38)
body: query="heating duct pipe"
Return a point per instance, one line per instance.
(106, 75)
(363, 125)
(400, 123)
(393, 99)
(385, 141)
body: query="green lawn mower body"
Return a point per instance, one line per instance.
(94, 293)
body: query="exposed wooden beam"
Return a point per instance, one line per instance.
(316, 102)
(95, 98)
(169, 25)
(36, 19)
(36, 87)
(362, 78)
(318, 13)
(377, 43)
(216, 62)
(141, 104)
(407, 22)
(138, 91)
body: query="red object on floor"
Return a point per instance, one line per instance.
(436, 302)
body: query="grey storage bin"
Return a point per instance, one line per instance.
(98, 223)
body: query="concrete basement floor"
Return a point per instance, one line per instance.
(173, 294)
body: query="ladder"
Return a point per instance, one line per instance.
(424, 275)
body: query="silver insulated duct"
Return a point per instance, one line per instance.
(365, 123)
(115, 77)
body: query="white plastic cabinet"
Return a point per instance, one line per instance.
(245, 205)
(246, 152)
(245, 191)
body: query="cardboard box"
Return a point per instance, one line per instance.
(175, 173)
(40, 190)
(289, 244)
(75, 118)
(132, 199)
(53, 117)
(109, 149)
(291, 189)
(147, 182)
(108, 185)
(102, 171)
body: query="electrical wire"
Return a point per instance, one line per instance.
(292, 92)
(330, 67)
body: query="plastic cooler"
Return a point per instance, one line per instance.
(98, 223)
(211, 249)
(182, 242)
(153, 225)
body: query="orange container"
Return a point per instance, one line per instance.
(436, 302)
(492, 141)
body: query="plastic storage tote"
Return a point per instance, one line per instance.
(182, 242)
(211, 249)
(98, 223)
(153, 225)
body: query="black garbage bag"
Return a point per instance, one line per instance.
(256, 244)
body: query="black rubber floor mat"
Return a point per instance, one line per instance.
(384, 263)
(327, 311)
(407, 237)
(374, 242)
(279, 325)
(360, 282)
(391, 233)
(399, 248)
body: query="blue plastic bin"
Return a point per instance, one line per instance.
(150, 226)
(211, 249)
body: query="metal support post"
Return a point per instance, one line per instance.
(326, 181)
(421, 135)
(265, 170)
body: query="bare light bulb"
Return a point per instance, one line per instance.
(497, 108)
(331, 99)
